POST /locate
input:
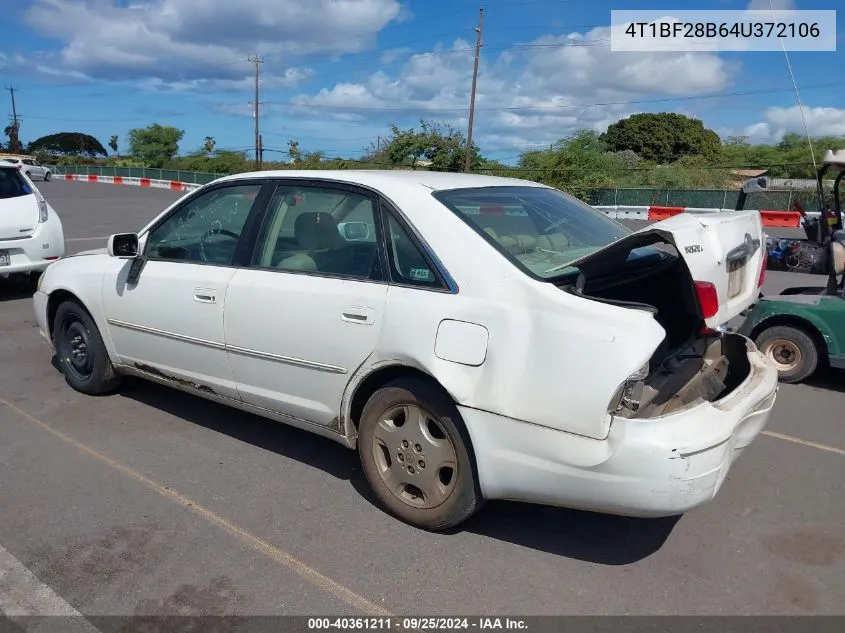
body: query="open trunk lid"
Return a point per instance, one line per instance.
(724, 253)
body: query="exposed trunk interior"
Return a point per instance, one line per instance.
(692, 363)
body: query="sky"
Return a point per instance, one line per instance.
(337, 73)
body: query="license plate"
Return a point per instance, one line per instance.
(5, 258)
(736, 277)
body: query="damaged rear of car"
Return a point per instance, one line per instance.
(694, 274)
(674, 423)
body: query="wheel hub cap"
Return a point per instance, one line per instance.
(415, 457)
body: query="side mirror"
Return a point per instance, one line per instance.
(354, 231)
(123, 245)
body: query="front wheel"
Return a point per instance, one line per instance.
(791, 350)
(48, 176)
(80, 351)
(415, 454)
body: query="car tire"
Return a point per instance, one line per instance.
(405, 423)
(791, 350)
(48, 176)
(80, 351)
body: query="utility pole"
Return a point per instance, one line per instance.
(14, 137)
(478, 32)
(257, 61)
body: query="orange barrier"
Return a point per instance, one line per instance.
(656, 214)
(781, 219)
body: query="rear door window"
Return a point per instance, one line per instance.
(12, 184)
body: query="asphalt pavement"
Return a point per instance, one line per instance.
(155, 502)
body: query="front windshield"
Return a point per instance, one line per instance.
(541, 230)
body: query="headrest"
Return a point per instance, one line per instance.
(838, 252)
(316, 231)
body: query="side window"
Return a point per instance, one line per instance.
(320, 230)
(207, 228)
(407, 263)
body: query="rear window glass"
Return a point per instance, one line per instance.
(540, 230)
(12, 184)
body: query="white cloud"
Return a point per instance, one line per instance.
(779, 121)
(552, 76)
(182, 41)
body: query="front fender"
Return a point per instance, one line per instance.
(80, 276)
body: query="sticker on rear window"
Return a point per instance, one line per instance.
(421, 274)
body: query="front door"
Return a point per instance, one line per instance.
(170, 321)
(308, 311)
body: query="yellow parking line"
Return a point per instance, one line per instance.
(280, 556)
(798, 440)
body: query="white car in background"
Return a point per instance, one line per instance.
(31, 233)
(474, 337)
(31, 167)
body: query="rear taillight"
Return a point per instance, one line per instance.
(762, 277)
(708, 298)
(43, 211)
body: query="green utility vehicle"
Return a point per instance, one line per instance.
(803, 328)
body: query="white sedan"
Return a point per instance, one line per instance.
(473, 337)
(31, 233)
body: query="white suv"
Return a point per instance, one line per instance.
(31, 167)
(31, 233)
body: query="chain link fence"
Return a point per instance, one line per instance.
(705, 198)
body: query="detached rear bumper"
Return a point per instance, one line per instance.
(649, 467)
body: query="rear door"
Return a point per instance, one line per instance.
(307, 311)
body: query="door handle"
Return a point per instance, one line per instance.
(205, 295)
(357, 314)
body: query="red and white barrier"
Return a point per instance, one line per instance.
(772, 219)
(172, 185)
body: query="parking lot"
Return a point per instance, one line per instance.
(156, 502)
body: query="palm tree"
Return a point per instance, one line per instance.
(209, 144)
(113, 143)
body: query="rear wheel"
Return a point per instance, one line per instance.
(415, 454)
(81, 353)
(791, 350)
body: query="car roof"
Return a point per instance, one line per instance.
(433, 180)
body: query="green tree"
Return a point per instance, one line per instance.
(664, 137)
(155, 144)
(113, 143)
(209, 144)
(68, 144)
(439, 143)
